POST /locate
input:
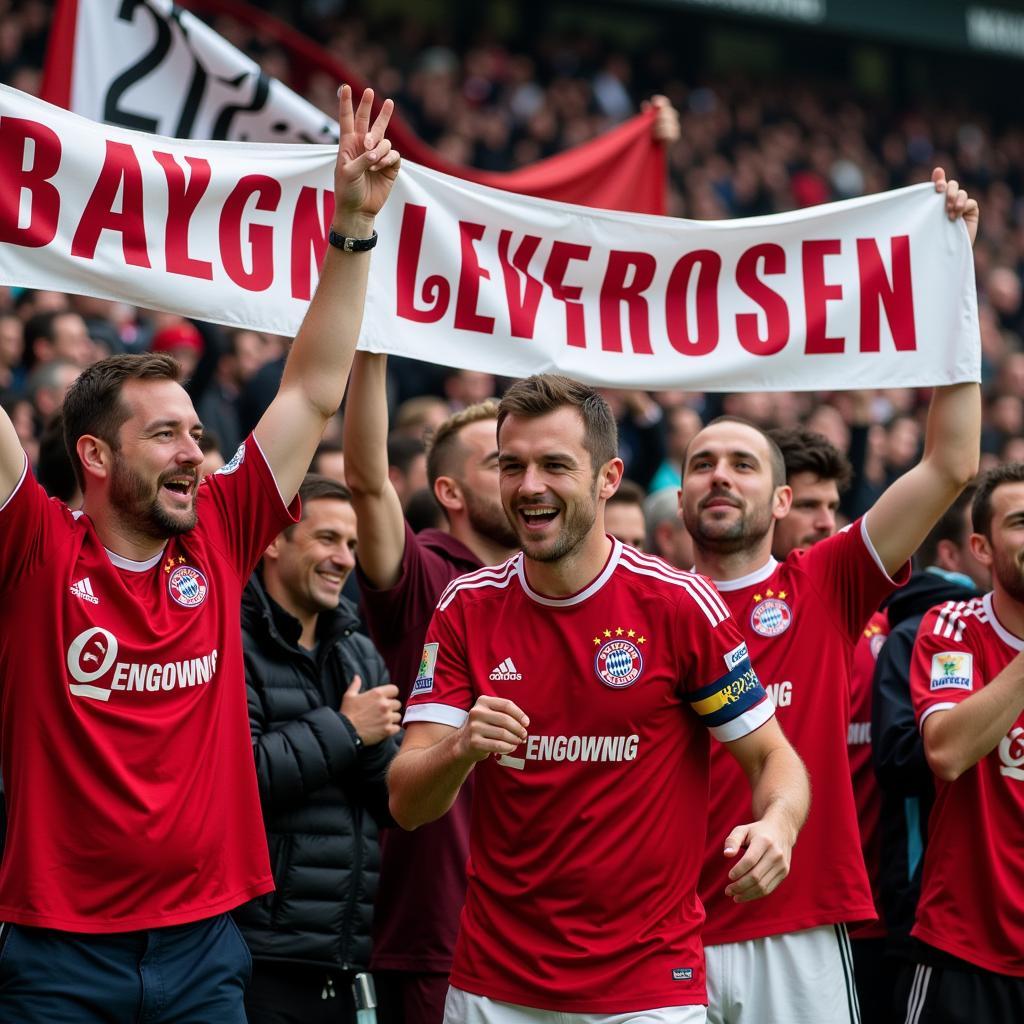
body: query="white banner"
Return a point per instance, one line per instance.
(871, 292)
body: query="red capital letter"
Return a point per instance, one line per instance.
(15, 179)
(522, 305)
(898, 298)
(615, 291)
(470, 272)
(554, 274)
(773, 304)
(709, 265)
(261, 236)
(182, 201)
(436, 290)
(120, 172)
(310, 227)
(817, 294)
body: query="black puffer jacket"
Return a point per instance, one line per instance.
(322, 799)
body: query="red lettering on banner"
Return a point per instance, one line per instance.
(16, 179)
(182, 200)
(774, 305)
(261, 236)
(522, 305)
(709, 265)
(615, 291)
(310, 228)
(817, 294)
(436, 290)
(562, 254)
(897, 298)
(470, 273)
(122, 174)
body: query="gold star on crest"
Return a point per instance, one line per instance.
(757, 597)
(641, 639)
(608, 632)
(597, 640)
(181, 559)
(619, 631)
(631, 632)
(169, 565)
(782, 595)
(770, 592)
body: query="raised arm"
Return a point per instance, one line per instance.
(781, 797)
(318, 366)
(910, 507)
(380, 522)
(12, 457)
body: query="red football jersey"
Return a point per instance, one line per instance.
(801, 619)
(862, 771)
(124, 732)
(586, 842)
(972, 889)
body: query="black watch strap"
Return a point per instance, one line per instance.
(346, 244)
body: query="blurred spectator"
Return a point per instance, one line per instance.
(48, 384)
(329, 460)
(420, 417)
(59, 334)
(666, 533)
(407, 466)
(213, 457)
(624, 515)
(12, 351)
(682, 424)
(183, 341)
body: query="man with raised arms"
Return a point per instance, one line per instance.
(787, 958)
(577, 684)
(134, 816)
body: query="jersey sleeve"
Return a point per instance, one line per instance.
(943, 665)
(241, 508)
(27, 522)
(443, 690)
(849, 576)
(718, 681)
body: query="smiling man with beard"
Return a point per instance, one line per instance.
(967, 684)
(577, 683)
(134, 814)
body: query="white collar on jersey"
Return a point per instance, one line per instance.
(757, 576)
(119, 560)
(126, 563)
(588, 591)
(1000, 630)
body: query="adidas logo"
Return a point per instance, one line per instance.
(83, 589)
(505, 671)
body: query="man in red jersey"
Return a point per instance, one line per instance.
(967, 683)
(579, 679)
(817, 472)
(134, 817)
(787, 957)
(401, 575)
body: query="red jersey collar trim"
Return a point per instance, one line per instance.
(580, 596)
(1000, 630)
(757, 576)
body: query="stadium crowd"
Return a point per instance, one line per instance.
(402, 481)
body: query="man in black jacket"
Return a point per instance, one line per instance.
(323, 717)
(947, 571)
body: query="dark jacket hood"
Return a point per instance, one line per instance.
(925, 588)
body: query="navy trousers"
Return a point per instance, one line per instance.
(189, 974)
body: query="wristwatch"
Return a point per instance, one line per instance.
(346, 244)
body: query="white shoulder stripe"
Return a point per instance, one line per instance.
(713, 614)
(487, 572)
(693, 578)
(478, 583)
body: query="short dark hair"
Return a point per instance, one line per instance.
(807, 451)
(93, 403)
(316, 487)
(981, 506)
(403, 451)
(949, 527)
(774, 451)
(629, 493)
(544, 393)
(443, 448)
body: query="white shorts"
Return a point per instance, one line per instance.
(464, 1008)
(796, 978)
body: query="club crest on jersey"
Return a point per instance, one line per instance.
(771, 615)
(187, 586)
(618, 663)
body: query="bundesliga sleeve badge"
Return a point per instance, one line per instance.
(952, 670)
